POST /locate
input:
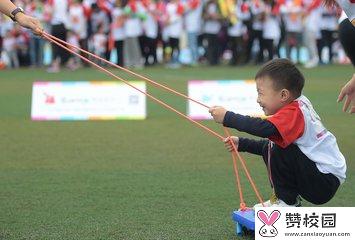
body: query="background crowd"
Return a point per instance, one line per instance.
(146, 32)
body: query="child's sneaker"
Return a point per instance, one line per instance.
(275, 202)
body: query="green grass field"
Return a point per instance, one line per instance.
(161, 178)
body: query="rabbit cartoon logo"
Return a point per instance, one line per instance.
(268, 230)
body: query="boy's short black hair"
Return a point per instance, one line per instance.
(284, 74)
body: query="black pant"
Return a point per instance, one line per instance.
(60, 32)
(150, 50)
(293, 174)
(328, 39)
(84, 45)
(255, 34)
(212, 49)
(175, 49)
(119, 49)
(347, 38)
(236, 48)
(269, 46)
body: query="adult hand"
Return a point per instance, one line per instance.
(348, 91)
(30, 23)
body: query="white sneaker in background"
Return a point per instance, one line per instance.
(311, 64)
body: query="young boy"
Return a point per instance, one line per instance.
(302, 156)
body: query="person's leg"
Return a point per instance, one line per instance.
(269, 46)
(329, 43)
(154, 50)
(347, 38)
(175, 50)
(324, 40)
(142, 41)
(319, 49)
(289, 44)
(56, 32)
(15, 59)
(282, 38)
(64, 55)
(172, 46)
(310, 44)
(127, 46)
(149, 50)
(233, 47)
(119, 50)
(192, 43)
(83, 43)
(213, 45)
(209, 51)
(259, 35)
(136, 53)
(249, 45)
(33, 50)
(298, 36)
(293, 174)
(240, 50)
(40, 51)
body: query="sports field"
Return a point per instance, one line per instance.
(161, 178)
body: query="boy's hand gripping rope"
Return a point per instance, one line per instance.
(235, 153)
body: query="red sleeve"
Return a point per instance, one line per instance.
(289, 122)
(314, 5)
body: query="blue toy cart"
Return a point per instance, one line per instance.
(244, 220)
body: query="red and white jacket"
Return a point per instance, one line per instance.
(298, 123)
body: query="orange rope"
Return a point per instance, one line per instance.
(236, 173)
(57, 40)
(242, 161)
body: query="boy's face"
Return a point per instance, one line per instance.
(269, 99)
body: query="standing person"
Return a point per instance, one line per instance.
(78, 15)
(100, 42)
(174, 10)
(257, 10)
(235, 34)
(212, 26)
(73, 61)
(271, 28)
(293, 23)
(59, 16)
(302, 156)
(106, 7)
(174, 28)
(134, 12)
(329, 26)
(17, 14)
(150, 26)
(36, 44)
(117, 31)
(311, 22)
(99, 17)
(10, 48)
(193, 22)
(163, 37)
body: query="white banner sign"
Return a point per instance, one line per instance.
(96, 100)
(238, 96)
(308, 223)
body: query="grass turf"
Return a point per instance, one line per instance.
(161, 178)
